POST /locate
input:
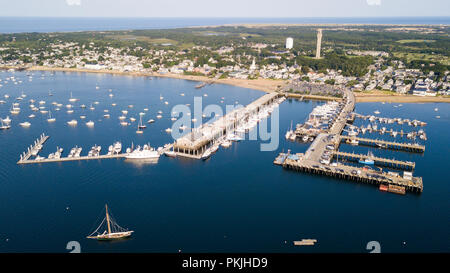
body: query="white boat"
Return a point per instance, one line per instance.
(158, 116)
(69, 111)
(132, 119)
(3, 125)
(145, 153)
(90, 123)
(150, 121)
(112, 232)
(124, 123)
(7, 120)
(106, 116)
(117, 147)
(25, 124)
(168, 130)
(73, 122)
(82, 117)
(226, 144)
(72, 99)
(32, 116)
(122, 117)
(206, 154)
(141, 125)
(376, 112)
(170, 154)
(50, 119)
(124, 112)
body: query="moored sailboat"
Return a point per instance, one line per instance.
(112, 232)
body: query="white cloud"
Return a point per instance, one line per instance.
(73, 2)
(373, 2)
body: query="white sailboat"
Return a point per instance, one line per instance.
(112, 232)
(50, 119)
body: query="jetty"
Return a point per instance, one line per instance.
(329, 125)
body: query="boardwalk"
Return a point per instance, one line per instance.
(195, 143)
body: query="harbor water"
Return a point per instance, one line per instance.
(236, 201)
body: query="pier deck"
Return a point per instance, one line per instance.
(66, 159)
(310, 161)
(411, 147)
(195, 143)
(378, 160)
(354, 174)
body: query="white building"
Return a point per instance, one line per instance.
(289, 43)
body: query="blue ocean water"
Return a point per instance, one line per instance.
(60, 24)
(237, 201)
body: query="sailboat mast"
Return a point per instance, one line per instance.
(107, 219)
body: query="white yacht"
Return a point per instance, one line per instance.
(73, 122)
(90, 123)
(145, 153)
(72, 99)
(25, 124)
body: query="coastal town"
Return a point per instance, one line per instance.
(245, 60)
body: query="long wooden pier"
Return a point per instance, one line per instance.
(354, 174)
(378, 160)
(66, 159)
(195, 143)
(411, 147)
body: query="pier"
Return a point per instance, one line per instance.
(317, 159)
(66, 159)
(354, 174)
(393, 163)
(195, 143)
(35, 148)
(410, 147)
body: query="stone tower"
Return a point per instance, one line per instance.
(319, 43)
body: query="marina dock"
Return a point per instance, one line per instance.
(410, 147)
(397, 164)
(35, 148)
(327, 140)
(195, 143)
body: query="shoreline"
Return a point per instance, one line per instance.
(264, 85)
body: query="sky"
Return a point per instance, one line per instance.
(224, 8)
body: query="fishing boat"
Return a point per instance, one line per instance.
(112, 232)
(146, 152)
(368, 160)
